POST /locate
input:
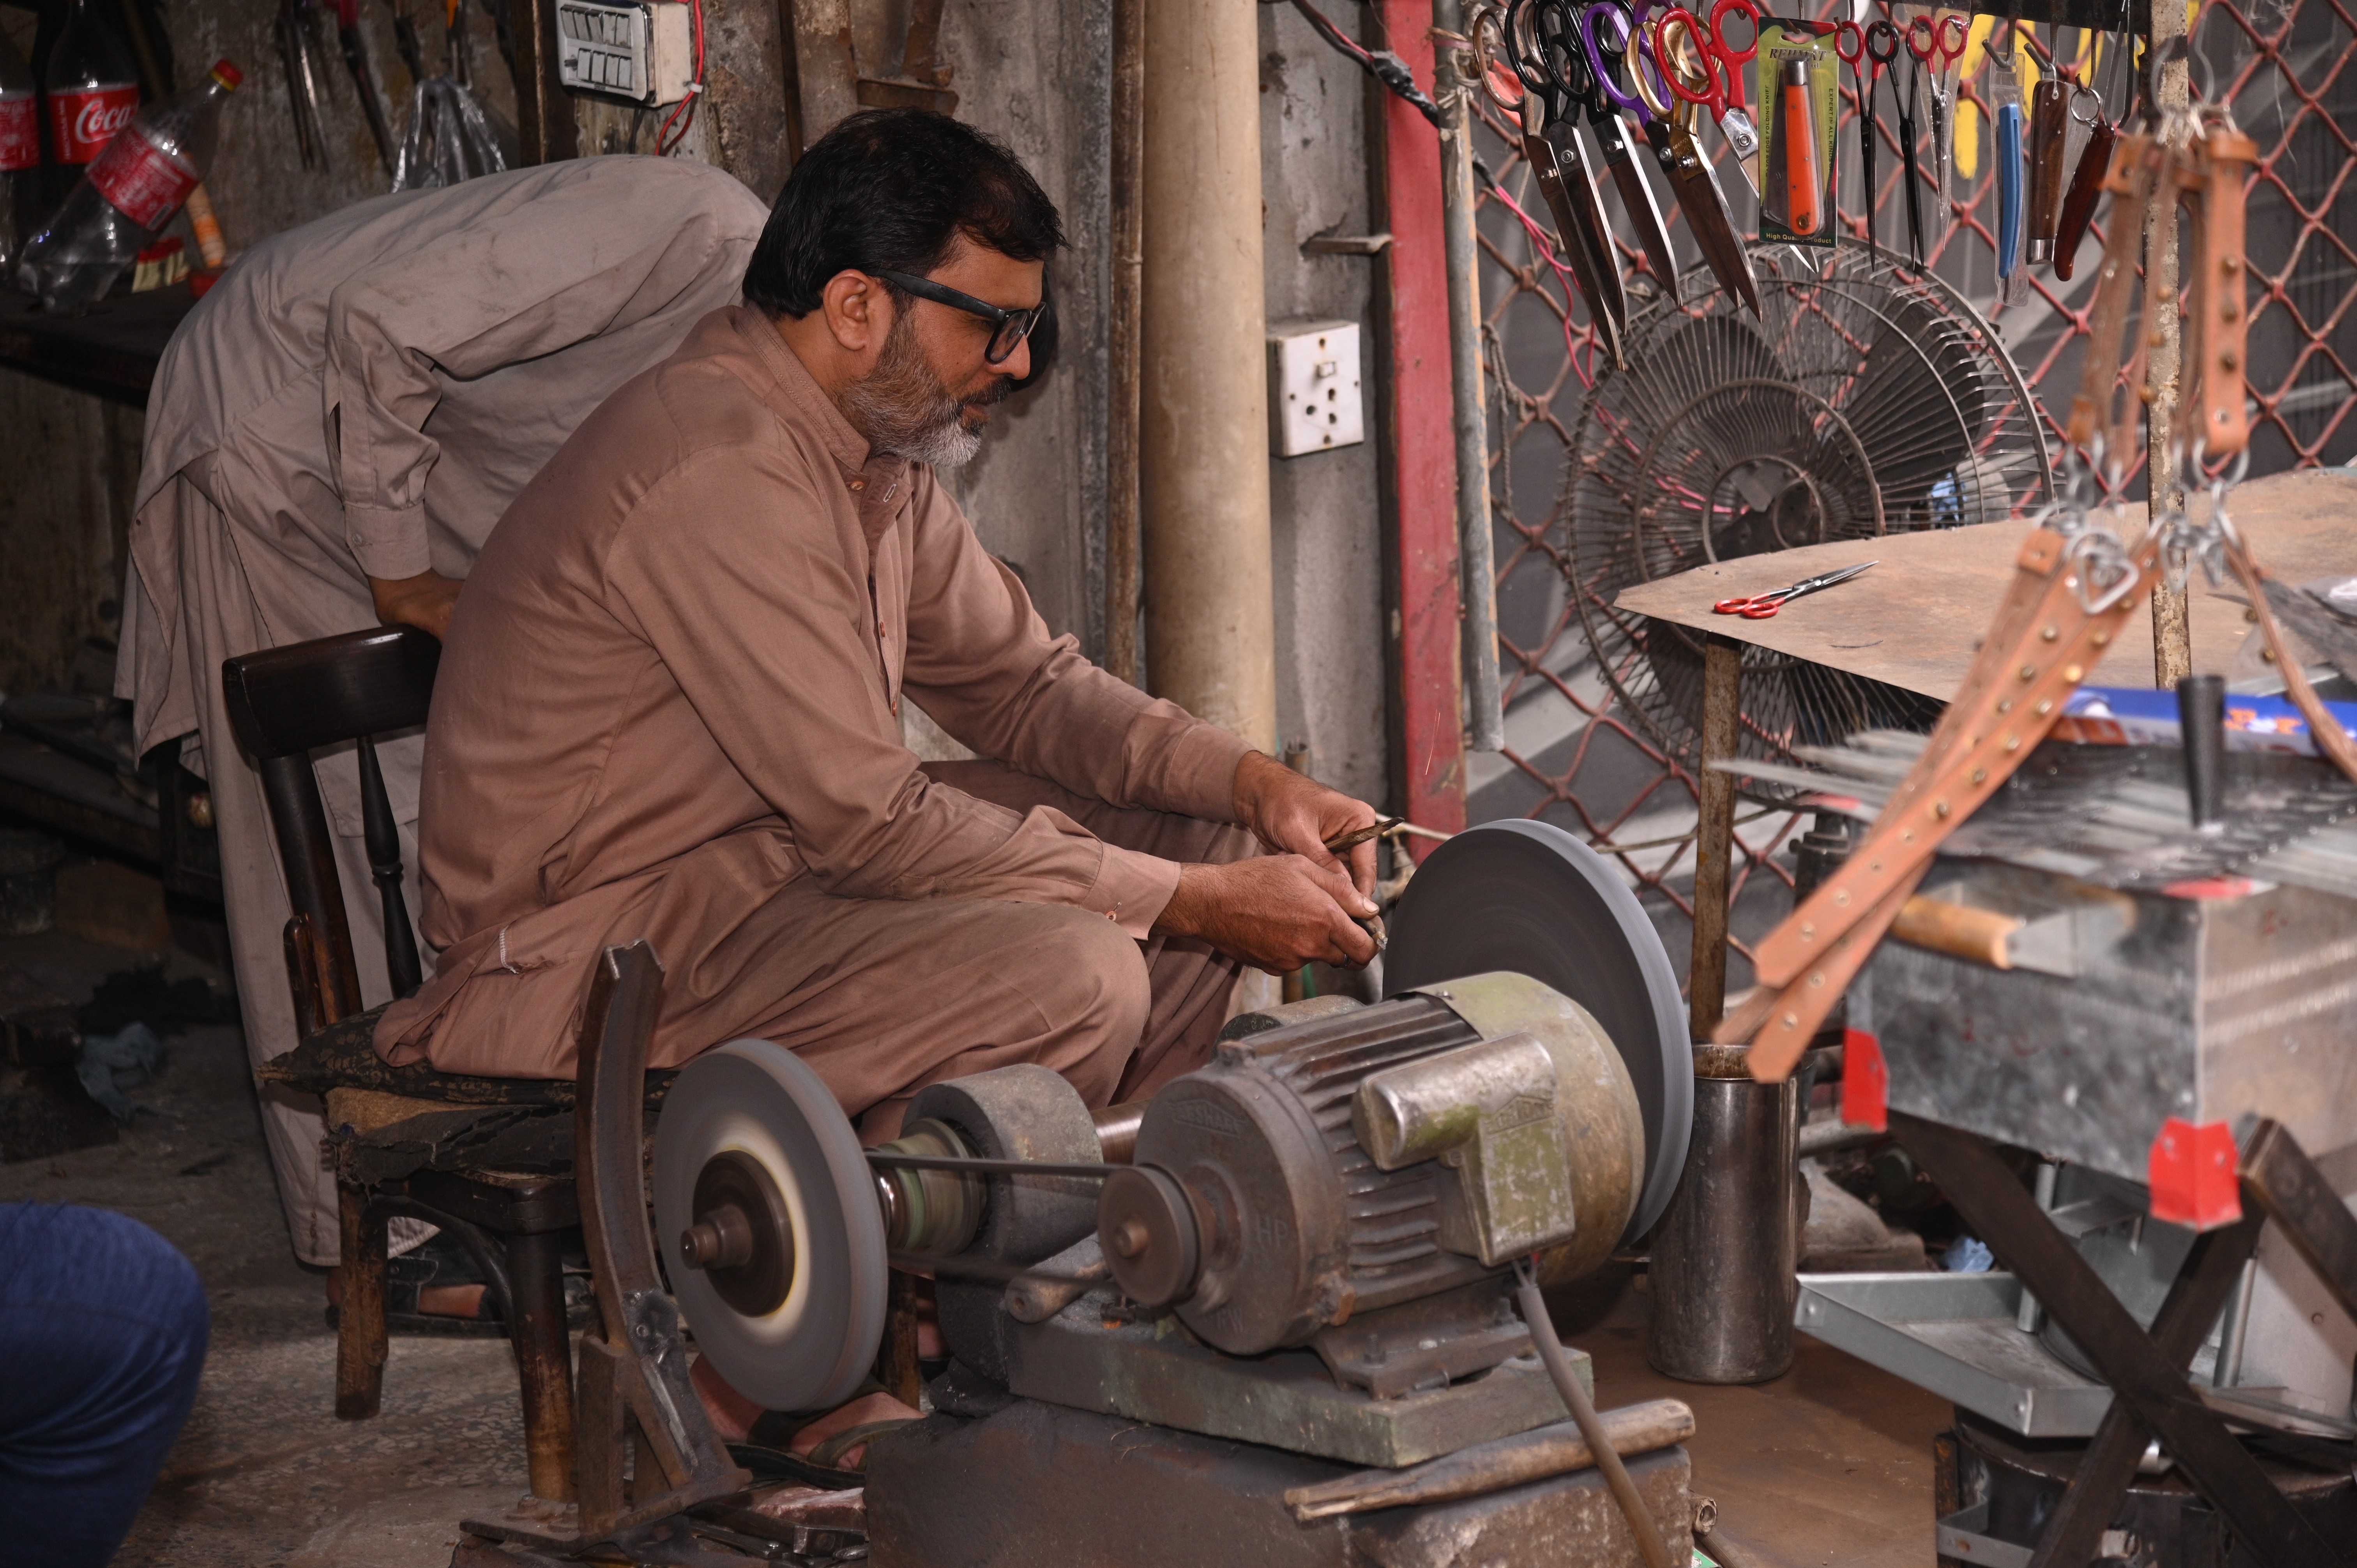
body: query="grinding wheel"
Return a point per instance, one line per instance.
(753, 1126)
(1525, 896)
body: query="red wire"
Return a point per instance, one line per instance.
(665, 142)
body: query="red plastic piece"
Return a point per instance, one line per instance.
(1866, 1080)
(2193, 1174)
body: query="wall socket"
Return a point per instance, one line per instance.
(641, 52)
(1313, 387)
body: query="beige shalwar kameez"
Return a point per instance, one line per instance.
(363, 397)
(669, 710)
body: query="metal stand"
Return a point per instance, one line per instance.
(2146, 1371)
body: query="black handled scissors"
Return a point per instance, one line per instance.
(1907, 124)
(1551, 142)
(1880, 47)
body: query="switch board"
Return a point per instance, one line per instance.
(642, 52)
(1313, 387)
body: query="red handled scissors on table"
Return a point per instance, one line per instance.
(1760, 607)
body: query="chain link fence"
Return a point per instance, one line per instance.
(1575, 755)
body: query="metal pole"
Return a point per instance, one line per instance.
(1722, 703)
(1121, 434)
(1485, 724)
(2172, 645)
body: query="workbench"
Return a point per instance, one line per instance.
(1915, 621)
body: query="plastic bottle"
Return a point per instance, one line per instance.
(20, 151)
(127, 196)
(91, 90)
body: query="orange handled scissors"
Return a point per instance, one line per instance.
(1760, 607)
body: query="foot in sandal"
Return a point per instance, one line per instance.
(835, 1441)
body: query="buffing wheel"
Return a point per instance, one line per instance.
(753, 1103)
(1529, 898)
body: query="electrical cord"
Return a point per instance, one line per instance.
(1649, 1544)
(683, 113)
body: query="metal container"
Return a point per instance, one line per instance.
(1724, 1255)
(28, 882)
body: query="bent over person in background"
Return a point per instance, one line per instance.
(669, 709)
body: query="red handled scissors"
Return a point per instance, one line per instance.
(1760, 607)
(1719, 87)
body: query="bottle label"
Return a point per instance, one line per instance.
(20, 131)
(145, 183)
(84, 119)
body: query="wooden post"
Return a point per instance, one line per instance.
(2173, 646)
(1722, 705)
(543, 111)
(359, 1316)
(1419, 453)
(1125, 240)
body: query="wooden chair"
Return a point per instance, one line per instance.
(489, 1160)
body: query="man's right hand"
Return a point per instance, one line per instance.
(423, 601)
(1276, 912)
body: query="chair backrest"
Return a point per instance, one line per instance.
(286, 703)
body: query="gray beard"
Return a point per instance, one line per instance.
(902, 408)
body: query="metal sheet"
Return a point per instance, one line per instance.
(1529, 898)
(1955, 1335)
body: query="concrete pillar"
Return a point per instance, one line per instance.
(1203, 394)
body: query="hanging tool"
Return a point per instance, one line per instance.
(1603, 55)
(2094, 159)
(2050, 129)
(1513, 75)
(1849, 43)
(1796, 126)
(1760, 606)
(1669, 130)
(1718, 82)
(406, 42)
(1551, 41)
(2005, 89)
(355, 60)
(1914, 180)
(1937, 47)
(299, 49)
(1880, 47)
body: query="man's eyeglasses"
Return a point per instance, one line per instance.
(1008, 327)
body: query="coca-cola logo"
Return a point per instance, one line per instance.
(98, 120)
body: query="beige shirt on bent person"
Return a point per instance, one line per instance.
(690, 636)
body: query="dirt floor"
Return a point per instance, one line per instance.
(1830, 1464)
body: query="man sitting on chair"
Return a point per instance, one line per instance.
(668, 708)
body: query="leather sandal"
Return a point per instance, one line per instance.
(767, 1449)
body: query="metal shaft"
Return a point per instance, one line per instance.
(1641, 1525)
(1485, 723)
(2172, 635)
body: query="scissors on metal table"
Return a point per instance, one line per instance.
(1715, 82)
(1760, 607)
(1937, 46)
(1669, 130)
(1516, 77)
(1608, 29)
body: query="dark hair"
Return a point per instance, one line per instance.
(893, 188)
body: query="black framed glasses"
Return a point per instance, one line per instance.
(1008, 327)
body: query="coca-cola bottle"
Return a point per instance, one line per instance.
(20, 151)
(93, 90)
(132, 189)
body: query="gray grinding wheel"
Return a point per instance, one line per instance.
(1531, 899)
(757, 1100)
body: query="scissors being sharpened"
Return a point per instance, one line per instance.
(1760, 607)
(1718, 87)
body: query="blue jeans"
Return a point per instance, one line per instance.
(102, 1335)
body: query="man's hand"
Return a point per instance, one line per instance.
(1276, 912)
(1292, 814)
(423, 601)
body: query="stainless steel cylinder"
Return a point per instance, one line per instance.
(1725, 1253)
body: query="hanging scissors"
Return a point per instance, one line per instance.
(1669, 130)
(1545, 33)
(1760, 607)
(1715, 84)
(1514, 75)
(1937, 46)
(1914, 180)
(1606, 29)
(1880, 47)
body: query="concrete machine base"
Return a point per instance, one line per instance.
(1033, 1483)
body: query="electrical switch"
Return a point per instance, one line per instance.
(642, 51)
(1313, 387)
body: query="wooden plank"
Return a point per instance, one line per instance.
(1916, 620)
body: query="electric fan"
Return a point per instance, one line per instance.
(1863, 400)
